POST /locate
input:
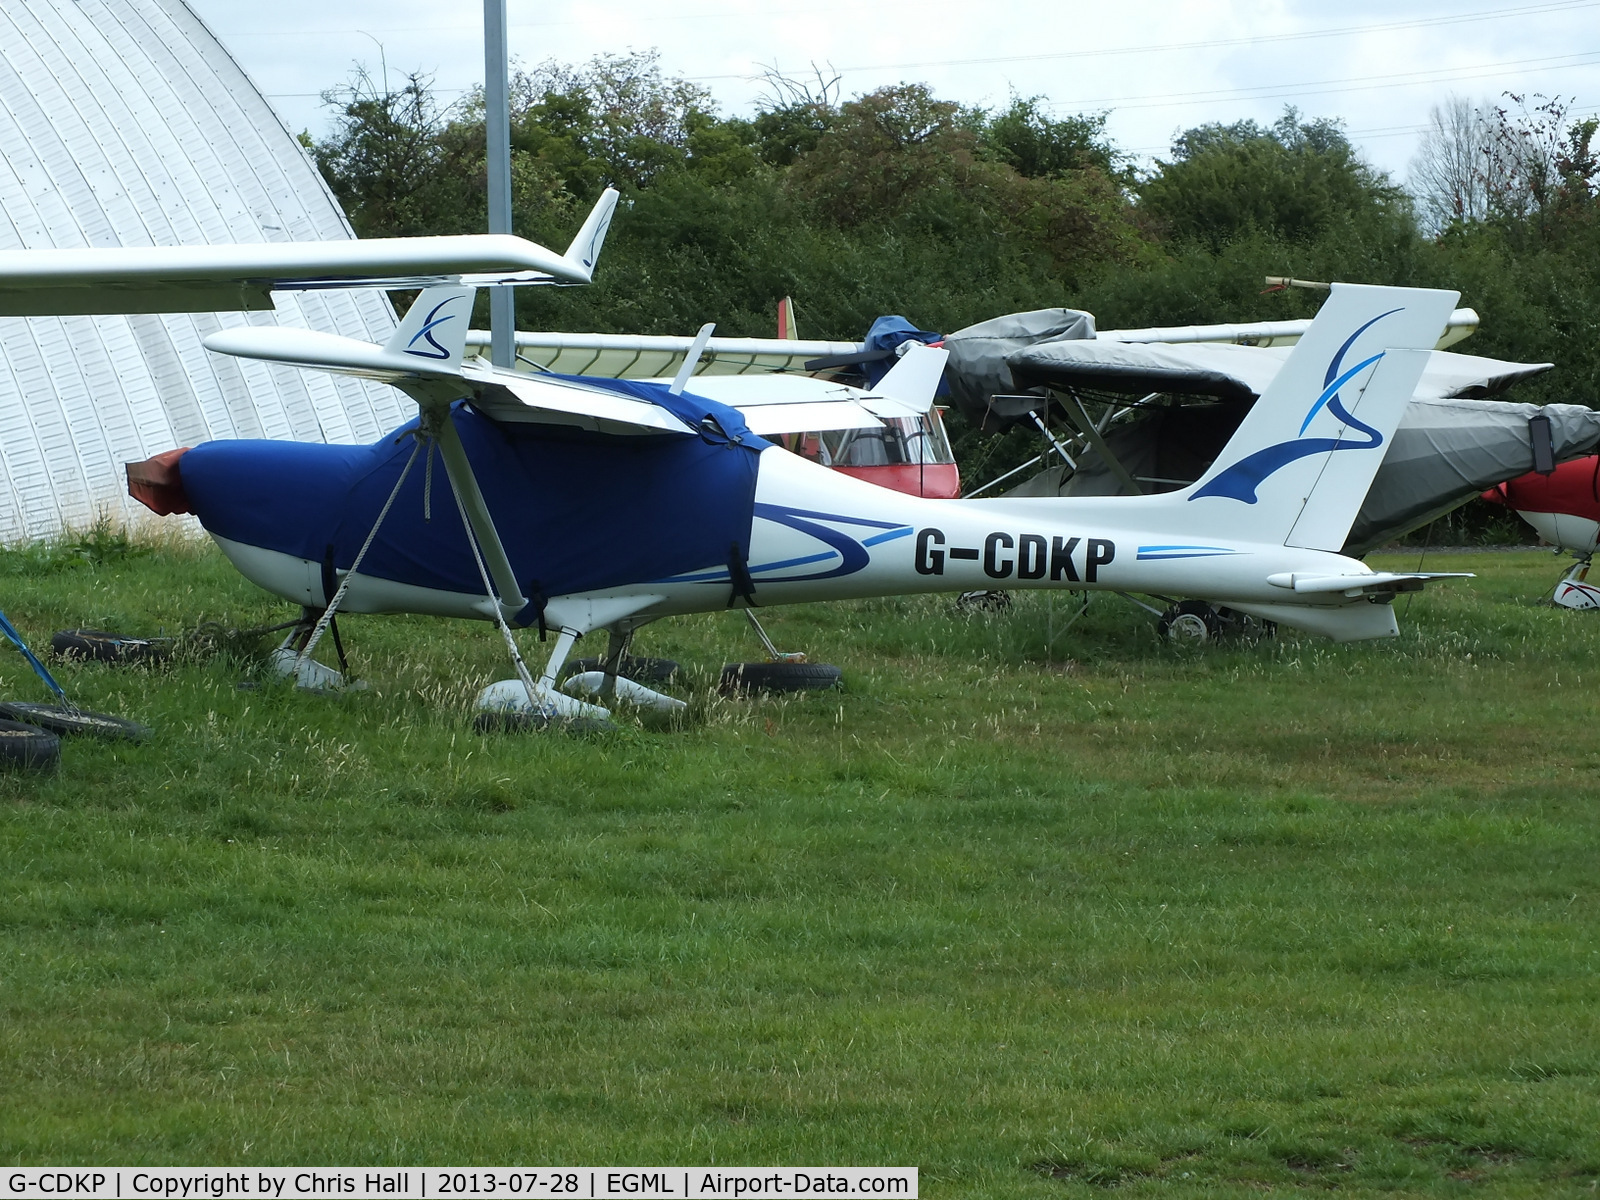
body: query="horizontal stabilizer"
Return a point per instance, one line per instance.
(914, 380)
(1371, 583)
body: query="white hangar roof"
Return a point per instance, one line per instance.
(125, 123)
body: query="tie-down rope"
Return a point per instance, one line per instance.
(344, 585)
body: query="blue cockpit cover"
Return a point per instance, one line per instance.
(577, 512)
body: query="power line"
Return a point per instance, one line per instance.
(1382, 131)
(1550, 6)
(437, 91)
(457, 26)
(1266, 91)
(1320, 87)
(1214, 43)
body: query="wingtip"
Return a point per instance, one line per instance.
(584, 252)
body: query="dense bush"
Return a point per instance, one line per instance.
(898, 201)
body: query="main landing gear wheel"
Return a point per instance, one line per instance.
(60, 719)
(983, 602)
(640, 670)
(778, 677)
(1190, 623)
(27, 747)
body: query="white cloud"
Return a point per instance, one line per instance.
(1381, 80)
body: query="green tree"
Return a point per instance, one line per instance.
(885, 152)
(792, 114)
(1034, 145)
(1296, 180)
(901, 157)
(393, 160)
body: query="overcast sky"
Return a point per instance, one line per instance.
(1158, 66)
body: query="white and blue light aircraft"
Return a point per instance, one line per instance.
(577, 504)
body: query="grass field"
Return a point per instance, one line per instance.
(1040, 917)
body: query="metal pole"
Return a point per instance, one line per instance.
(497, 118)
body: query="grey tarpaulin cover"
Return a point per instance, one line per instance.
(1444, 453)
(1447, 449)
(977, 368)
(1139, 368)
(1226, 370)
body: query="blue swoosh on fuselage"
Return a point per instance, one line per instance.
(852, 554)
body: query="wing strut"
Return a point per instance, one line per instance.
(530, 689)
(443, 430)
(331, 603)
(692, 359)
(1079, 416)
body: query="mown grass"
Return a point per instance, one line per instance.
(1040, 917)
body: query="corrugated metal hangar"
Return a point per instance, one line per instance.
(125, 123)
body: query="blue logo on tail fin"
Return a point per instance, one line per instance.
(426, 332)
(1240, 481)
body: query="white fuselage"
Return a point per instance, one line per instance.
(818, 535)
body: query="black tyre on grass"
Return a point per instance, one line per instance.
(992, 603)
(27, 747)
(1245, 627)
(69, 722)
(100, 645)
(778, 677)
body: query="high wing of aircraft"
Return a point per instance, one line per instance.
(1463, 322)
(904, 452)
(239, 277)
(635, 356)
(783, 389)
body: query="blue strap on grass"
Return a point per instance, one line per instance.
(15, 639)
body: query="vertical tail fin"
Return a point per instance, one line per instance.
(434, 331)
(1298, 468)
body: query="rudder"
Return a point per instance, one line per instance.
(1298, 468)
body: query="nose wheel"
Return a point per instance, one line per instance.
(1573, 591)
